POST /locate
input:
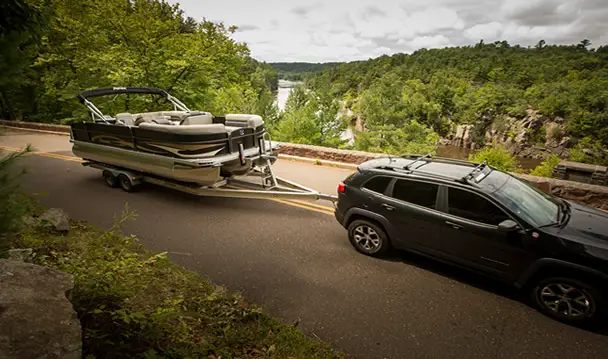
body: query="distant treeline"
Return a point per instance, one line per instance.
(298, 71)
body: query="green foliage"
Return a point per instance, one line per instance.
(589, 151)
(87, 44)
(310, 118)
(497, 156)
(411, 138)
(478, 85)
(545, 169)
(136, 304)
(13, 203)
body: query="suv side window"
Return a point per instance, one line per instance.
(471, 206)
(377, 184)
(420, 193)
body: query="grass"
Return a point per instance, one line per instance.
(136, 304)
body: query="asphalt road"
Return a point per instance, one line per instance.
(295, 261)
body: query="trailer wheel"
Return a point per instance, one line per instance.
(125, 183)
(110, 179)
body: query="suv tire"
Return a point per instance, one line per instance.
(368, 237)
(569, 300)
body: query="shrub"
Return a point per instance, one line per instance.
(589, 151)
(545, 169)
(497, 156)
(136, 304)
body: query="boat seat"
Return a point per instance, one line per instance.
(244, 120)
(125, 118)
(203, 118)
(191, 129)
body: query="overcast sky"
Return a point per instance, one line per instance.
(346, 30)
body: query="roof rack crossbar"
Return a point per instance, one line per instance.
(477, 168)
(429, 174)
(419, 158)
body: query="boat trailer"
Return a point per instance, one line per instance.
(271, 187)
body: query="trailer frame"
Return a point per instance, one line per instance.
(271, 187)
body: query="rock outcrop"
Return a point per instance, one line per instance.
(37, 319)
(532, 136)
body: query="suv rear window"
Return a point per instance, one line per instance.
(420, 193)
(377, 184)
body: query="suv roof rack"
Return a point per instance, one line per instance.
(478, 169)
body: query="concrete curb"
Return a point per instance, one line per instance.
(35, 130)
(49, 127)
(318, 162)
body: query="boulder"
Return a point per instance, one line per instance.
(37, 319)
(58, 218)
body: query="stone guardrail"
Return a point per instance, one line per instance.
(588, 194)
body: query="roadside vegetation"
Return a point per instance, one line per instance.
(133, 303)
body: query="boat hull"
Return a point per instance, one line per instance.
(202, 172)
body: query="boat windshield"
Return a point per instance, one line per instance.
(528, 202)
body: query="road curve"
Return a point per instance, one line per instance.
(296, 263)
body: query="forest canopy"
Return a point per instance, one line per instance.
(53, 49)
(479, 84)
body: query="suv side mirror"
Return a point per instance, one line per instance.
(507, 226)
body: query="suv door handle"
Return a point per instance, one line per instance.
(453, 225)
(388, 207)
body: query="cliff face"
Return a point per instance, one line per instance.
(534, 135)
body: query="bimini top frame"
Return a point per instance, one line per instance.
(84, 95)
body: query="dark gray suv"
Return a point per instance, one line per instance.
(480, 218)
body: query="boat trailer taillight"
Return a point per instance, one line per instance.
(242, 154)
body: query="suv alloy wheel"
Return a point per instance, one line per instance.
(368, 237)
(568, 300)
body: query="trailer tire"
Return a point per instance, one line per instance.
(125, 183)
(110, 179)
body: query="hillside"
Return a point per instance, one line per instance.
(412, 99)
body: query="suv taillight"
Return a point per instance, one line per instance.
(341, 187)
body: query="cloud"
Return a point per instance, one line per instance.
(490, 32)
(345, 30)
(304, 10)
(247, 27)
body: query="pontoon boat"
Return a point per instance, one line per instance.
(183, 145)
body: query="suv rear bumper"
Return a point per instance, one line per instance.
(339, 217)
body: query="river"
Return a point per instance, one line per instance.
(285, 88)
(455, 152)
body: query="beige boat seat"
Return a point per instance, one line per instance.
(125, 118)
(190, 129)
(204, 118)
(244, 120)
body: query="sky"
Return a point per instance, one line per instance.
(348, 30)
